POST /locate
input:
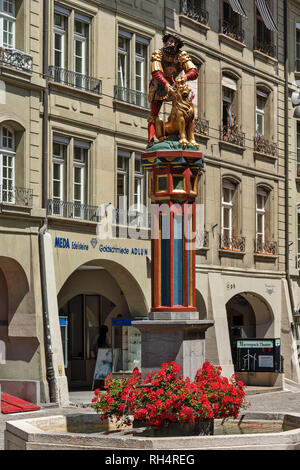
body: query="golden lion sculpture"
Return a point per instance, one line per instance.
(181, 119)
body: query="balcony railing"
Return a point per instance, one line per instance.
(265, 47)
(75, 80)
(233, 135)
(201, 127)
(17, 196)
(232, 243)
(72, 210)
(265, 247)
(191, 10)
(261, 145)
(16, 59)
(231, 30)
(135, 97)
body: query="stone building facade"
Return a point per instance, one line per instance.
(73, 126)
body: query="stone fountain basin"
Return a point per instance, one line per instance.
(85, 431)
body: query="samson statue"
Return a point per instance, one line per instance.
(171, 67)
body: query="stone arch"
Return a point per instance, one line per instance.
(17, 287)
(200, 304)
(258, 316)
(128, 285)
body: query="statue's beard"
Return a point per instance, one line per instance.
(170, 50)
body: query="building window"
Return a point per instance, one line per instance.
(230, 16)
(228, 98)
(71, 70)
(80, 159)
(228, 191)
(59, 173)
(132, 81)
(264, 244)
(81, 52)
(261, 99)
(7, 165)
(264, 141)
(123, 195)
(298, 238)
(265, 29)
(297, 47)
(69, 156)
(261, 199)
(7, 23)
(60, 40)
(124, 59)
(140, 184)
(298, 148)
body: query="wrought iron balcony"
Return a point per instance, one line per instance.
(131, 96)
(201, 127)
(17, 196)
(190, 9)
(231, 30)
(265, 247)
(265, 47)
(261, 145)
(72, 210)
(233, 135)
(16, 59)
(75, 80)
(232, 243)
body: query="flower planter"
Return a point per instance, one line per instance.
(199, 428)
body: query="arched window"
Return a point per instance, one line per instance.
(7, 164)
(230, 110)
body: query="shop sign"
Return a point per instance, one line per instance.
(254, 344)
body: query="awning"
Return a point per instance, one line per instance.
(266, 15)
(237, 7)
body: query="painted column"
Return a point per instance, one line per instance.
(173, 331)
(173, 188)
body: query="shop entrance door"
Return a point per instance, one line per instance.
(85, 313)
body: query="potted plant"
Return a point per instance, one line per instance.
(170, 404)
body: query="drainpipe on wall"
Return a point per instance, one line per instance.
(47, 336)
(45, 103)
(286, 155)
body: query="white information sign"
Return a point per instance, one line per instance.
(266, 361)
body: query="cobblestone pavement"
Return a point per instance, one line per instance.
(282, 401)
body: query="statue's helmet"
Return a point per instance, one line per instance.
(179, 42)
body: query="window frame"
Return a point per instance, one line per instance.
(297, 48)
(10, 153)
(10, 17)
(227, 205)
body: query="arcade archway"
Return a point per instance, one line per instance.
(96, 295)
(249, 316)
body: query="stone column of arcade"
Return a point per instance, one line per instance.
(173, 331)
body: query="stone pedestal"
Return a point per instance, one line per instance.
(173, 336)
